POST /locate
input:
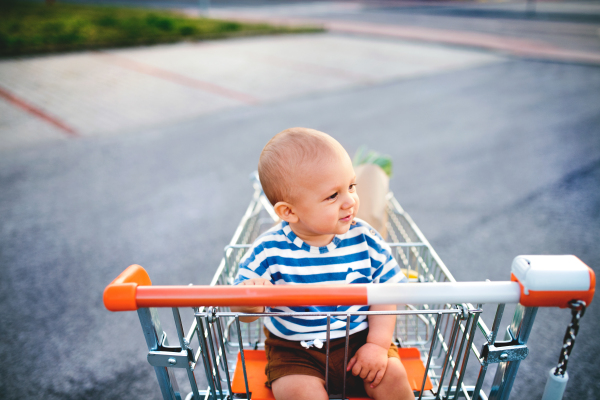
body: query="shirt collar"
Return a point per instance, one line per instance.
(291, 236)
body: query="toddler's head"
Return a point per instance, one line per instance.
(308, 177)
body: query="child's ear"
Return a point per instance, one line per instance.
(285, 212)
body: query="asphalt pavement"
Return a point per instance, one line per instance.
(143, 156)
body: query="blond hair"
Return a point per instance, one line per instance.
(286, 153)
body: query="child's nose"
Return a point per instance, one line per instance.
(349, 201)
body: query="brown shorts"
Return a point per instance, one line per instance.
(286, 357)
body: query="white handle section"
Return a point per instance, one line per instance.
(446, 292)
(551, 273)
(555, 386)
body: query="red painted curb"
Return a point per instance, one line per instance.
(516, 46)
(510, 45)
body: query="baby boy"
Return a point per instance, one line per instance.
(308, 177)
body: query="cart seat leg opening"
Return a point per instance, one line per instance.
(256, 360)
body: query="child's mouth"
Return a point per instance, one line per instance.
(346, 218)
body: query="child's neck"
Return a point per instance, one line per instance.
(313, 239)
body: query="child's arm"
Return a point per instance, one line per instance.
(251, 309)
(370, 361)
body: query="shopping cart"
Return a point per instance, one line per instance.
(436, 325)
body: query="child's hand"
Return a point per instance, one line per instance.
(256, 282)
(251, 309)
(370, 363)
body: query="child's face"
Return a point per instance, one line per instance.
(325, 200)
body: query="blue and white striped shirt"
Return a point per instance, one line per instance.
(358, 256)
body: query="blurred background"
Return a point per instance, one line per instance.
(128, 133)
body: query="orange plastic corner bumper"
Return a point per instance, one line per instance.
(541, 298)
(120, 295)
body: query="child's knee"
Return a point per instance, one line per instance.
(299, 387)
(397, 370)
(394, 384)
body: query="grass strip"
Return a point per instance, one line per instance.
(34, 28)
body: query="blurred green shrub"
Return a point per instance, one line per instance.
(30, 28)
(163, 23)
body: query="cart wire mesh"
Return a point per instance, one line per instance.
(443, 333)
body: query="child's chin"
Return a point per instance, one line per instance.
(344, 228)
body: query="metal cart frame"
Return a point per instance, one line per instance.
(443, 333)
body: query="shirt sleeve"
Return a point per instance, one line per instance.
(253, 265)
(384, 267)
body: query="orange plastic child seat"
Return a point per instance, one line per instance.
(257, 359)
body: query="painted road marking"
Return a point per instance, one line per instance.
(37, 112)
(178, 78)
(101, 93)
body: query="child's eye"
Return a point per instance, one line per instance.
(333, 196)
(352, 187)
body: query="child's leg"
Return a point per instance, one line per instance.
(299, 387)
(394, 384)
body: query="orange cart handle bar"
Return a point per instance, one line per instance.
(536, 281)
